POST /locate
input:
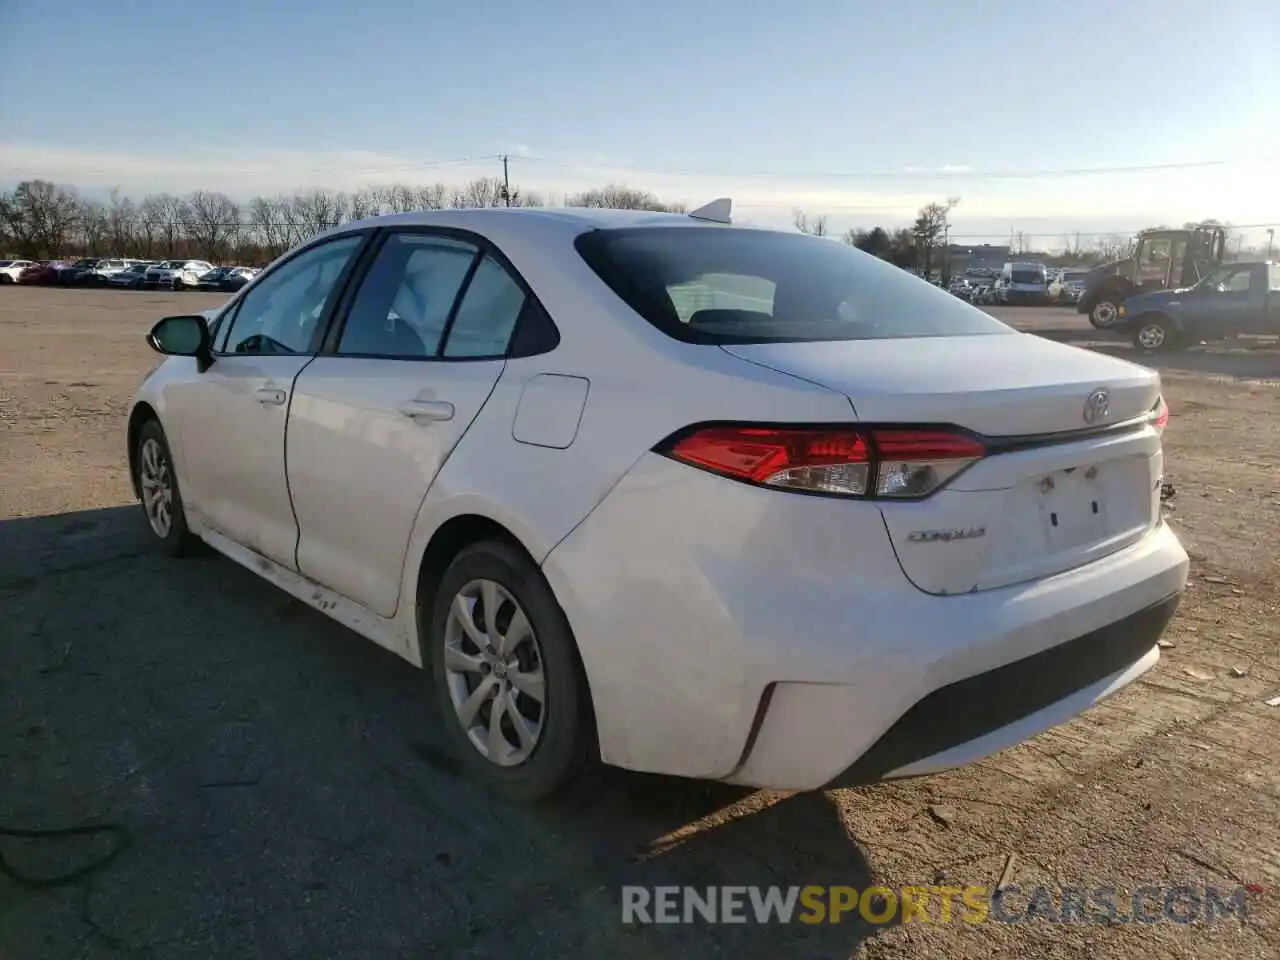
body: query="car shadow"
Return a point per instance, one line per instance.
(301, 772)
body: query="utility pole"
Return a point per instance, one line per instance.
(1271, 236)
(506, 181)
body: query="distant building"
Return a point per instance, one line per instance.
(984, 259)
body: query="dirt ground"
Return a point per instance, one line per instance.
(284, 794)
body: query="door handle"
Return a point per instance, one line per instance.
(438, 410)
(271, 395)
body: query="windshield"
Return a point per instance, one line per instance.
(86, 262)
(732, 285)
(1028, 276)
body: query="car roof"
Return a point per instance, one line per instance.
(528, 222)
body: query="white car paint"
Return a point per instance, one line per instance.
(727, 630)
(12, 269)
(167, 273)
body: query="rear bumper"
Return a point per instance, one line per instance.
(971, 718)
(740, 634)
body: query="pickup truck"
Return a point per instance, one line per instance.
(1236, 298)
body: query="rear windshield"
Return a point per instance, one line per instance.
(734, 285)
(1028, 276)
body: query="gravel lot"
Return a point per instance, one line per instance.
(285, 795)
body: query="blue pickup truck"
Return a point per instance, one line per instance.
(1236, 298)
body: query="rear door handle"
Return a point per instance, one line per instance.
(438, 410)
(271, 395)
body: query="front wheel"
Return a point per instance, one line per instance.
(1154, 334)
(506, 674)
(157, 485)
(1104, 314)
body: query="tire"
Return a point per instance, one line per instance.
(1153, 333)
(6, 279)
(153, 463)
(1105, 314)
(563, 731)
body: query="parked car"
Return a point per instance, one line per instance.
(42, 272)
(212, 281)
(238, 277)
(982, 294)
(1066, 287)
(71, 273)
(602, 471)
(226, 279)
(1023, 283)
(131, 277)
(176, 274)
(11, 270)
(1236, 298)
(101, 272)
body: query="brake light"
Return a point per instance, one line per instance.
(893, 463)
(1159, 415)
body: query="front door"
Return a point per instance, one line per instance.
(375, 417)
(234, 414)
(1225, 303)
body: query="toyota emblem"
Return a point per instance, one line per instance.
(1097, 406)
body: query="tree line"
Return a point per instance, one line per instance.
(41, 220)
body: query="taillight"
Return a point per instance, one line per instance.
(878, 462)
(1159, 415)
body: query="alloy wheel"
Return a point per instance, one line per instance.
(156, 479)
(494, 673)
(1151, 337)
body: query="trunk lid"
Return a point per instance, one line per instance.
(1000, 385)
(1051, 502)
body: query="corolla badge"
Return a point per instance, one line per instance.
(946, 536)
(1096, 406)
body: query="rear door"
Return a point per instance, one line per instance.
(407, 367)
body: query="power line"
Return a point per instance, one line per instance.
(957, 173)
(407, 166)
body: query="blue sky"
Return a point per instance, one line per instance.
(855, 109)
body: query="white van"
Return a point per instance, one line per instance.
(1023, 283)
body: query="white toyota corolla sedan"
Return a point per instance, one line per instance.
(683, 496)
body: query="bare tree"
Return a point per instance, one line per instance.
(618, 197)
(122, 223)
(269, 216)
(316, 211)
(815, 226)
(932, 225)
(367, 203)
(41, 217)
(212, 221)
(170, 219)
(480, 192)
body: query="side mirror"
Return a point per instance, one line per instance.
(184, 336)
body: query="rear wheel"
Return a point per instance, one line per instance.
(506, 674)
(1154, 334)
